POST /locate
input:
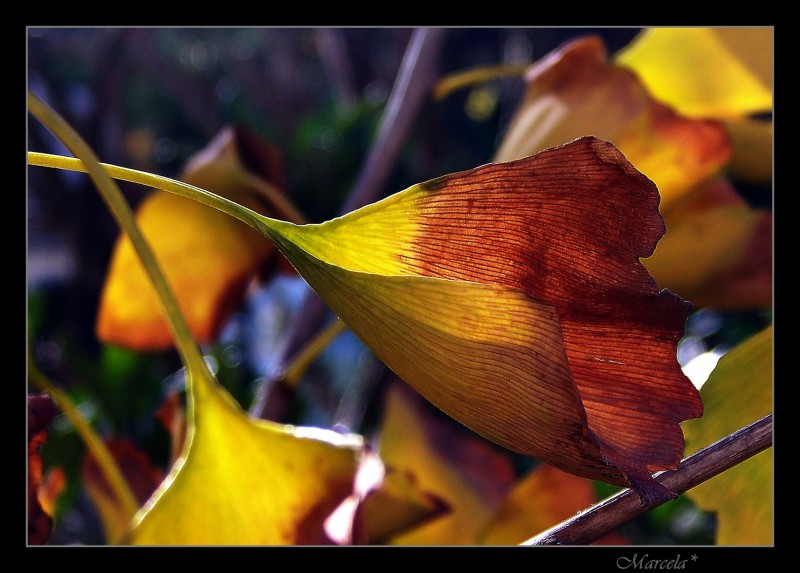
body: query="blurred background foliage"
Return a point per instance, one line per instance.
(150, 98)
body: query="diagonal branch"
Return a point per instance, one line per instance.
(414, 82)
(609, 515)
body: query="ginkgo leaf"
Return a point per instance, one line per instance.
(737, 393)
(577, 91)
(208, 257)
(385, 503)
(247, 482)
(717, 250)
(512, 297)
(543, 498)
(397, 506)
(705, 72)
(140, 474)
(470, 476)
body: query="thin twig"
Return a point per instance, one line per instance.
(609, 515)
(417, 75)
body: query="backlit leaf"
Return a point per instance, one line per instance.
(717, 250)
(397, 506)
(140, 474)
(738, 392)
(208, 257)
(705, 72)
(471, 477)
(41, 410)
(512, 297)
(247, 482)
(577, 91)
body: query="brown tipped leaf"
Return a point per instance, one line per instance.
(512, 297)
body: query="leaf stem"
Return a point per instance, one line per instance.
(232, 208)
(466, 78)
(199, 376)
(617, 510)
(94, 444)
(411, 90)
(315, 346)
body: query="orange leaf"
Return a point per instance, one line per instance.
(553, 214)
(577, 91)
(512, 296)
(543, 498)
(717, 250)
(208, 256)
(53, 483)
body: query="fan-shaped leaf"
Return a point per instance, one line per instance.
(512, 297)
(247, 482)
(577, 91)
(705, 72)
(207, 256)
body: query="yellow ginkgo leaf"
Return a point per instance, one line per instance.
(738, 392)
(247, 482)
(469, 475)
(705, 72)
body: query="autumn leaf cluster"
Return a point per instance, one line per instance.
(530, 308)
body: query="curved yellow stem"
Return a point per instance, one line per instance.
(466, 78)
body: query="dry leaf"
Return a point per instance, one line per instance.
(512, 297)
